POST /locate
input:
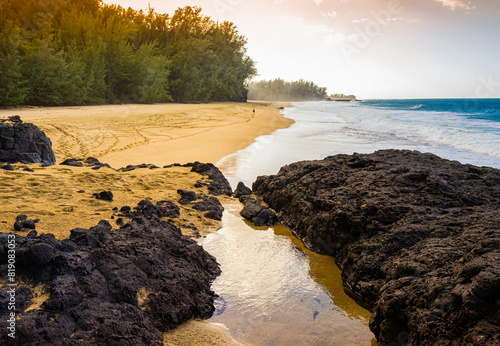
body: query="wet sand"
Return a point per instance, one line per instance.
(199, 333)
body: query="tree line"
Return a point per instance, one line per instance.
(75, 52)
(280, 90)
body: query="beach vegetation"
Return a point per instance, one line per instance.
(76, 52)
(280, 90)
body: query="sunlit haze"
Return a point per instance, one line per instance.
(374, 49)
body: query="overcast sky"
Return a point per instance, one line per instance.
(372, 48)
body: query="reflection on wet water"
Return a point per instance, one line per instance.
(275, 292)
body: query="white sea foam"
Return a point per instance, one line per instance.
(328, 128)
(433, 129)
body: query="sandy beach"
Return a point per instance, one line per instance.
(61, 197)
(159, 134)
(122, 135)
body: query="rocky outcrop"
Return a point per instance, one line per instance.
(134, 167)
(104, 196)
(187, 196)
(123, 287)
(72, 162)
(417, 239)
(91, 162)
(256, 213)
(218, 184)
(241, 190)
(23, 223)
(149, 210)
(210, 205)
(7, 167)
(24, 142)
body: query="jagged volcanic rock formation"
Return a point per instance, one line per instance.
(417, 238)
(122, 287)
(24, 142)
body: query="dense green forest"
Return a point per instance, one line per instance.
(73, 52)
(279, 90)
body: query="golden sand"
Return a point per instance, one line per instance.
(199, 333)
(121, 135)
(159, 134)
(62, 196)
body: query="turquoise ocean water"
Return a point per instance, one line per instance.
(466, 130)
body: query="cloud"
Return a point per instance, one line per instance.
(407, 20)
(330, 14)
(362, 20)
(333, 38)
(318, 2)
(457, 4)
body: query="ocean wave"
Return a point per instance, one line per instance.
(472, 133)
(416, 107)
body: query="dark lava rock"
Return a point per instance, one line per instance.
(200, 184)
(241, 190)
(7, 167)
(211, 206)
(161, 209)
(417, 238)
(24, 142)
(123, 287)
(91, 162)
(125, 209)
(23, 223)
(134, 167)
(104, 195)
(148, 210)
(23, 300)
(95, 164)
(245, 199)
(187, 196)
(72, 162)
(173, 165)
(208, 204)
(219, 184)
(256, 213)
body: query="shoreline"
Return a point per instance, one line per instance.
(159, 134)
(61, 196)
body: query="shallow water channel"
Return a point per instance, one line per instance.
(273, 291)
